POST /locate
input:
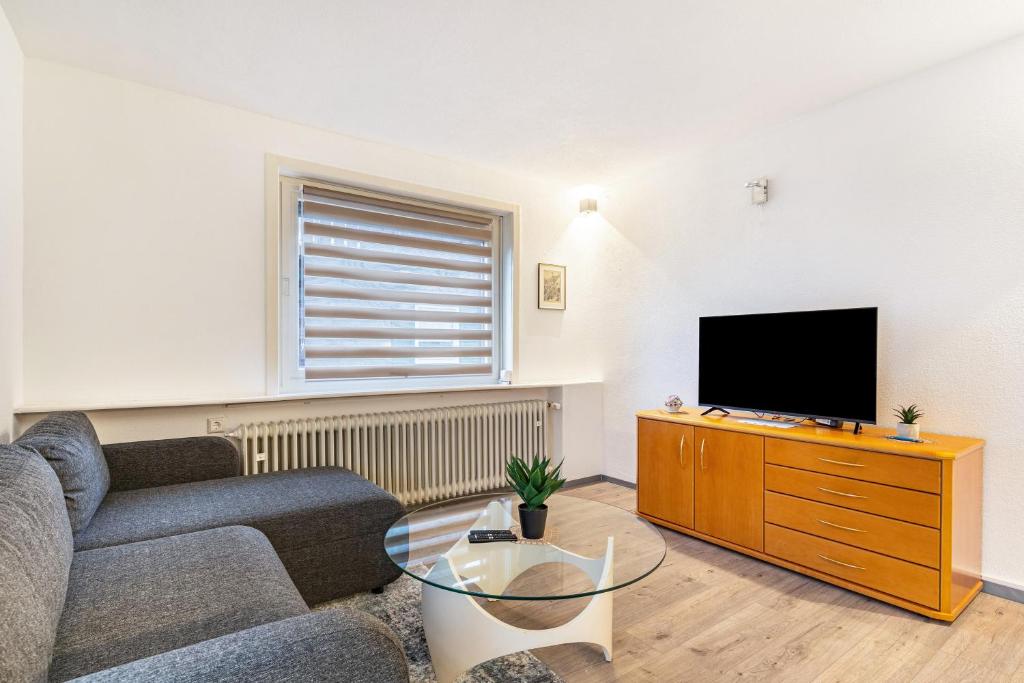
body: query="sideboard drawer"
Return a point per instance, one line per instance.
(895, 577)
(881, 468)
(902, 540)
(888, 501)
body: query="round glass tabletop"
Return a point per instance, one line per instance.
(588, 548)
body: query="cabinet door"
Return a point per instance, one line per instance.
(729, 486)
(664, 486)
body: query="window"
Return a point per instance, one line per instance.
(382, 291)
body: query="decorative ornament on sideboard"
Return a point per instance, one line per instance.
(673, 404)
(534, 483)
(908, 427)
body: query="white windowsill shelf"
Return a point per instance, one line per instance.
(31, 408)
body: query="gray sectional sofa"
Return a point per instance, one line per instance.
(155, 561)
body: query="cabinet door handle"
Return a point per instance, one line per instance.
(702, 455)
(829, 559)
(840, 526)
(682, 444)
(840, 462)
(840, 493)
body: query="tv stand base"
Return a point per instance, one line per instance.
(836, 424)
(713, 409)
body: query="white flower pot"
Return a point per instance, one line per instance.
(905, 431)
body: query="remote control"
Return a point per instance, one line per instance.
(491, 535)
(487, 539)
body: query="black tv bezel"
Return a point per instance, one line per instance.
(803, 415)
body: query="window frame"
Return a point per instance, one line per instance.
(284, 178)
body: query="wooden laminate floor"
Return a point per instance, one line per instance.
(710, 614)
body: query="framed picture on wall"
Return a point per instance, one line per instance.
(550, 286)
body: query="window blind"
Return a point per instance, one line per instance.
(393, 289)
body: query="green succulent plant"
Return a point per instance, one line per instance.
(532, 481)
(908, 414)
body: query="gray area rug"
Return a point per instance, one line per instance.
(399, 608)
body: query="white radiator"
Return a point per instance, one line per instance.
(417, 455)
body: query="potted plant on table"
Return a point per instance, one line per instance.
(908, 428)
(534, 483)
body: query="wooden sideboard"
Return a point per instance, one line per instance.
(897, 521)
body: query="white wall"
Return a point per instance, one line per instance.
(908, 197)
(145, 242)
(142, 282)
(11, 70)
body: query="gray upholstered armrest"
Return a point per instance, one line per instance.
(331, 646)
(144, 464)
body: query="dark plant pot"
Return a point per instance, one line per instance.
(531, 522)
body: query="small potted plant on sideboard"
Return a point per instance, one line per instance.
(908, 428)
(534, 484)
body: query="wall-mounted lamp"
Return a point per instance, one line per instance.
(588, 197)
(758, 190)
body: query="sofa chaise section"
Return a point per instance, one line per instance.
(326, 524)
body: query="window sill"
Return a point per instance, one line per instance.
(29, 409)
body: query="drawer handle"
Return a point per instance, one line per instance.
(840, 493)
(839, 526)
(829, 559)
(682, 444)
(702, 455)
(840, 462)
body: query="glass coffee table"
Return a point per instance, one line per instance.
(589, 550)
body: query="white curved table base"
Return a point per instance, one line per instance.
(461, 634)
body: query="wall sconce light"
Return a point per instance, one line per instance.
(758, 190)
(588, 205)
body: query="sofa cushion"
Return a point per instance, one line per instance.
(35, 554)
(69, 443)
(335, 645)
(133, 601)
(165, 462)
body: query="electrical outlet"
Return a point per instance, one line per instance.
(215, 425)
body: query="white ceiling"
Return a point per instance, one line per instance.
(577, 89)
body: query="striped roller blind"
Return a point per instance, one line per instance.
(394, 289)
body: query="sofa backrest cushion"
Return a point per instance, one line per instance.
(69, 443)
(35, 558)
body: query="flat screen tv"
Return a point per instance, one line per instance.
(820, 364)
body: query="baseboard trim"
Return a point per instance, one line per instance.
(583, 481)
(620, 482)
(571, 484)
(1001, 590)
(597, 479)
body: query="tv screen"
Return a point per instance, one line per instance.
(806, 364)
